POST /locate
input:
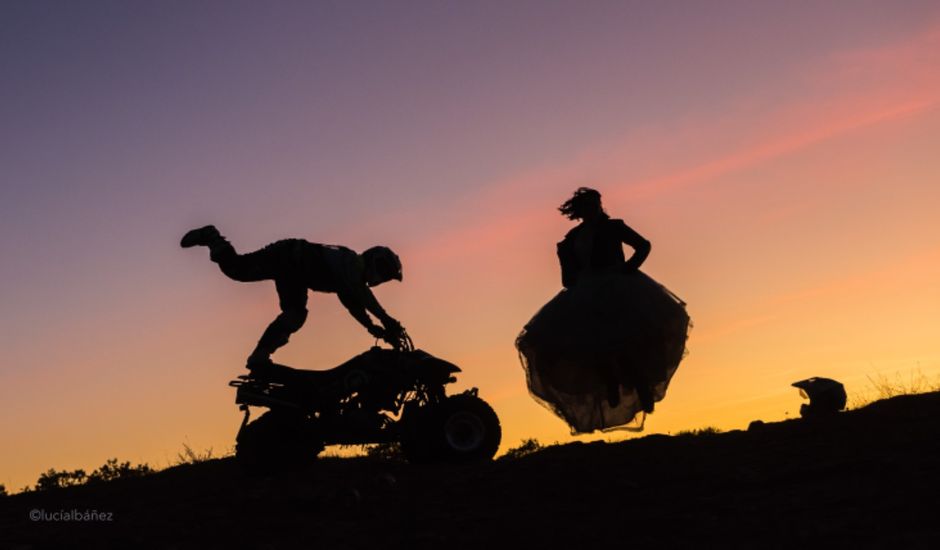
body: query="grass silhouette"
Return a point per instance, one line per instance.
(189, 456)
(526, 447)
(883, 386)
(709, 430)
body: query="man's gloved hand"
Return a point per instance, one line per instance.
(377, 331)
(392, 326)
(393, 330)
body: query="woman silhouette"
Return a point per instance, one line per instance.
(604, 348)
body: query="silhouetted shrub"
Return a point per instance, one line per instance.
(3, 491)
(110, 470)
(114, 470)
(710, 430)
(527, 447)
(385, 451)
(53, 479)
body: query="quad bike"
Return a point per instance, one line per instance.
(384, 395)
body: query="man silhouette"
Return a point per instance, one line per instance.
(296, 265)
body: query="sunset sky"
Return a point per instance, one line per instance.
(782, 157)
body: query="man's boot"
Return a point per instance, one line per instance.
(259, 359)
(203, 236)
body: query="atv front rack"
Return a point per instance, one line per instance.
(256, 394)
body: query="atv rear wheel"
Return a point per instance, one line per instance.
(462, 428)
(276, 441)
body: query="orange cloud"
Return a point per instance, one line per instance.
(921, 264)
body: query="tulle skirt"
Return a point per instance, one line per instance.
(612, 333)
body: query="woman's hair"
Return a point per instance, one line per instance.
(574, 207)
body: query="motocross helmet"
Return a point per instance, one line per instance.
(826, 396)
(381, 265)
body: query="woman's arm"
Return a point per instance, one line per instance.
(568, 261)
(641, 247)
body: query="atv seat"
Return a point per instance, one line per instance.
(282, 374)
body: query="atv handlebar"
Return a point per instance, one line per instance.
(400, 341)
(405, 343)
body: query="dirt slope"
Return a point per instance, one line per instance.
(867, 478)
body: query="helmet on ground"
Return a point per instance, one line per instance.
(826, 396)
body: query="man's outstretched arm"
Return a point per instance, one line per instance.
(358, 299)
(357, 309)
(359, 303)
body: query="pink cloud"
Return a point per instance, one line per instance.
(535, 213)
(840, 99)
(772, 148)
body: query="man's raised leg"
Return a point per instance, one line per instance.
(260, 265)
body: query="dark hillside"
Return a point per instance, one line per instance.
(866, 478)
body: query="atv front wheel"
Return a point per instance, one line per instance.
(277, 441)
(462, 428)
